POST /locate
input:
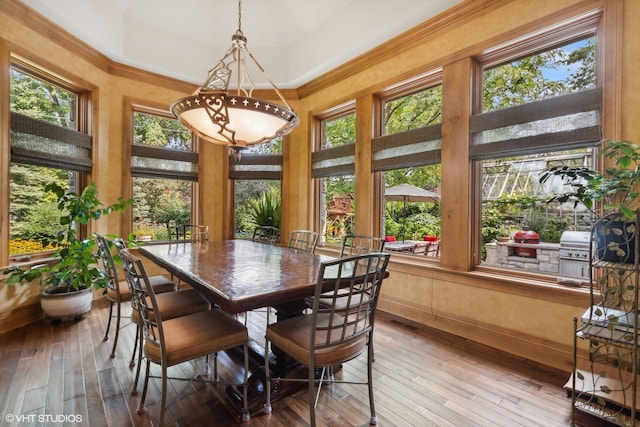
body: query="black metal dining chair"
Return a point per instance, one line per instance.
(169, 342)
(336, 333)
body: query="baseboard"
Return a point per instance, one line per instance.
(20, 316)
(552, 354)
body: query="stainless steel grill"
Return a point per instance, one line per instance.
(574, 254)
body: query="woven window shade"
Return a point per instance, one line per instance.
(159, 162)
(334, 161)
(415, 147)
(256, 166)
(39, 143)
(560, 123)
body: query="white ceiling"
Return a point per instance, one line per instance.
(294, 40)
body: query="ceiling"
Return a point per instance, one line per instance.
(295, 41)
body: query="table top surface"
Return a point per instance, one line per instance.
(240, 275)
(401, 245)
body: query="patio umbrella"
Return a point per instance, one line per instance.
(409, 193)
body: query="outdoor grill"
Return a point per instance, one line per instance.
(574, 254)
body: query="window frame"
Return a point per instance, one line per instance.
(319, 154)
(382, 141)
(83, 131)
(561, 33)
(132, 106)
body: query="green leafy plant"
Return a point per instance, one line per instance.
(266, 209)
(78, 261)
(616, 188)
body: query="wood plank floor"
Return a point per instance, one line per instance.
(61, 374)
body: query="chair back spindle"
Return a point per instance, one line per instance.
(303, 240)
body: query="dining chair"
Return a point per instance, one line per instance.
(190, 232)
(361, 244)
(354, 245)
(304, 240)
(434, 249)
(420, 248)
(266, 234)
(118, 291)
(329, 336)
(187, 233)
(169, 342)
(170, 304)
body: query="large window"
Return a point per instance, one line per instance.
(409, 153)
(333, 167)
(164, 167)
(256, 176)
(48, 144)
(539, 110)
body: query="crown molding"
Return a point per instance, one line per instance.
(457, 15)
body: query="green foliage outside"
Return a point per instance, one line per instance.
(159, 201)
(41, 100)
(266, 210)
(33, 216)
(78, 265)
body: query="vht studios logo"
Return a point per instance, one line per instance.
(42, 418)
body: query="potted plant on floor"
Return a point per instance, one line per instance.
(70, 279)
(616, 189)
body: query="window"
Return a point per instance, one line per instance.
(408, 152)
(48, 144)
(164, 167)
(256, 178)
(333, 167)
(539, 110)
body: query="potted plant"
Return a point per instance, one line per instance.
(615, 190)
(70, 279)
(503, 234)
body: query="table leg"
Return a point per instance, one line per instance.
(280, 364)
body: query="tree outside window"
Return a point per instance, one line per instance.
(164, 169)
(537, 85)
(33, 215)
(420, 109)
(334, 167)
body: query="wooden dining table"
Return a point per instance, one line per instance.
(243, 275)
(240, 275)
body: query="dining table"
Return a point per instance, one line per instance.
(243, 275)
(401, 245)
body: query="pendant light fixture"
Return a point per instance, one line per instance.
(233, 117)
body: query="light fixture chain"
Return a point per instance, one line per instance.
(236, 120)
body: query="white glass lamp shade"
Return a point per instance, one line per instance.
(233, 120)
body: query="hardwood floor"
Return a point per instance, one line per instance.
(62, 372)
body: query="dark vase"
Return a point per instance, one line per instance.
(614, 239)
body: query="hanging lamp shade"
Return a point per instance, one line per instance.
(233, 117)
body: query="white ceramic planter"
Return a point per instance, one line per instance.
(66, 305)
